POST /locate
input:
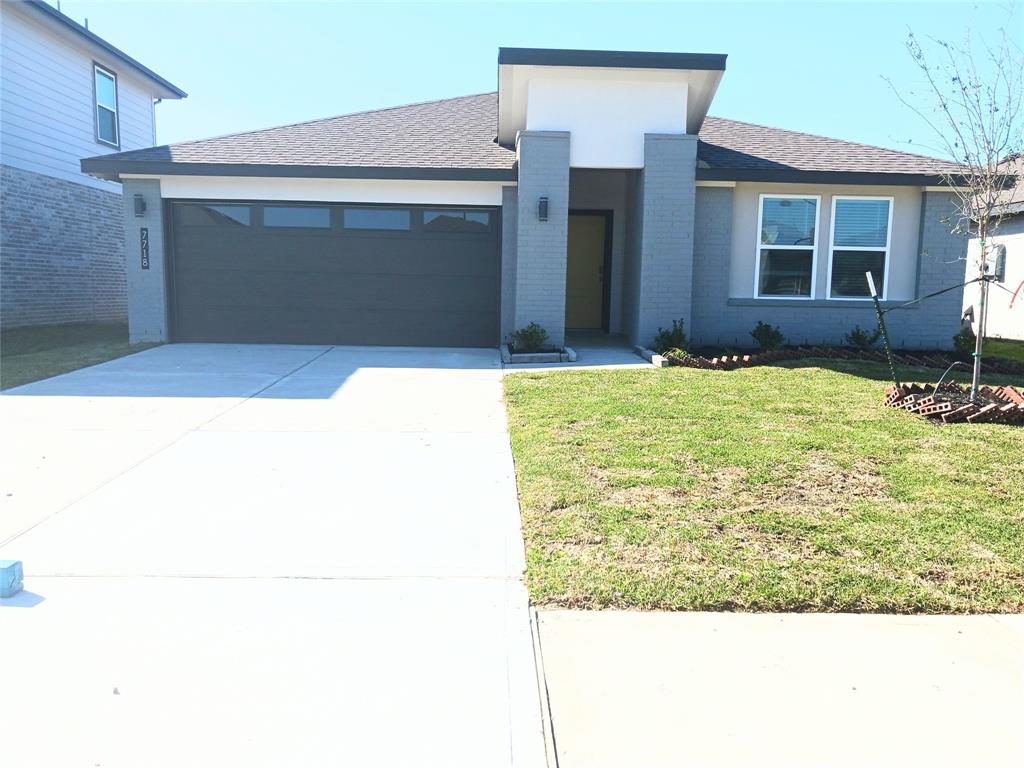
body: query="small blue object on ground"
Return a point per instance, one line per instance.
(12, 577)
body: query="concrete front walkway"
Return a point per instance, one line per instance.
(266, 556)
(796, 690)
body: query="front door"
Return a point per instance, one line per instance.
(585, 271)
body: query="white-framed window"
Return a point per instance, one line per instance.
(787, 246)
(860, 241)
(105, 91)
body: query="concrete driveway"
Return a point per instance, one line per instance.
(266, 556)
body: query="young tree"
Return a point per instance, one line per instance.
(972, 102)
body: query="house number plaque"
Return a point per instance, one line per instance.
(144, 246)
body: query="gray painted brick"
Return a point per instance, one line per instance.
(539, 293)
(662, 277)
(147, 293)
(929, 325)
(61, 252)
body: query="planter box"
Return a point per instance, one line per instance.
(566, 355)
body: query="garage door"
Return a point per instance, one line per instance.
(310, 273)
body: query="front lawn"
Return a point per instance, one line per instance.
(31, 354)
(1008, 349)
(778, 488)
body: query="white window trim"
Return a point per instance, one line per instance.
(814, 248)
(887, 250)
(96, 68)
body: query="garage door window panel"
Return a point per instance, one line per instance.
(378, 219)
(295, 217)
(467, 222)
(226, 216)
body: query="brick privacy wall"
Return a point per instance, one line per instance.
(666, 219)
(541, 245)
(509, 209)
(61, 252)
(929, 325)
(147, 292)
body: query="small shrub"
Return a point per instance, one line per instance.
(858, 338)
(532, 338)
(670, 339)
(964, 341)
(768, 337)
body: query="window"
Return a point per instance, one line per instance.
(377, 218)
(105, 90)
(294, 216)
(861, 231)
(456, 221)
(787, 246)
(198, 215)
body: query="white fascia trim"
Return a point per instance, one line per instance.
(397, 191)
(716, 183)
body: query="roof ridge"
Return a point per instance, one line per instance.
(316, 120)
(833, 138)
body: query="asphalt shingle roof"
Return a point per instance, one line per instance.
(732, 144)
(459, 134)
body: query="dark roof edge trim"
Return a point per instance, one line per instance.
(97, 40)
(796, 176)
(555, 57)
(112, 169)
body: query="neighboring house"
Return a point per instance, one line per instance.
(590, 192)
(65, 94)
(1005, 307)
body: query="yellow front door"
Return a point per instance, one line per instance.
(584, 275)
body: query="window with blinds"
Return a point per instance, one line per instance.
(860, 242)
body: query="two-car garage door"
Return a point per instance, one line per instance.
(315, 273)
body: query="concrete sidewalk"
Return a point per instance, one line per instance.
(795, 690)
(266, 556)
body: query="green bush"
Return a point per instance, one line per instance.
(861, 339)
(670, 339)
(532, 338)
(965, 341)
(768, 337)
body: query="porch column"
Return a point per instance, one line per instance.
(146, 278)
(667, 195)
(541, 245)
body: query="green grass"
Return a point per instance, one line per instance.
(1007, 349)
(31, 354)
(777, 488)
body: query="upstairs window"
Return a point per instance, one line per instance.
(787, 246)
(105, 89)
(861, 234)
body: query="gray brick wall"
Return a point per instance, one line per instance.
(664, 276)
(717, 319)
(147, 294)
(509, 205)
(541, 245)
(61, 252)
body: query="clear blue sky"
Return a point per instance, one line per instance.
(814, 67)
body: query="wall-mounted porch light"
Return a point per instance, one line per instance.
(542, 209)
(140, 205)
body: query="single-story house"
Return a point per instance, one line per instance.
(592, 191)
(1005, 295)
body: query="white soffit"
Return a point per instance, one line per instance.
(397, 191)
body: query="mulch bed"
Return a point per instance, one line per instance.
(951, 403)
(923, 359)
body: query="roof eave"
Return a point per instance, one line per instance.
(110, 168)
(167, 89)
(798, 176)
(561, 57)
